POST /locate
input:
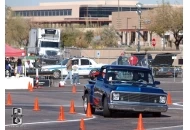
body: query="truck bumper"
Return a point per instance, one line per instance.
(138, 107)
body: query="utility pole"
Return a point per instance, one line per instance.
(139, 5)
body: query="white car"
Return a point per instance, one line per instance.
(85, 66)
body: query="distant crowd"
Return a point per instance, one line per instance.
(15, 66)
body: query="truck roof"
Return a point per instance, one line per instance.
(126, 67)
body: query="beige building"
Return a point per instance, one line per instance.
(91, 14)
(60, 14)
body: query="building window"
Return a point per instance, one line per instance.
(46, 13)
(42, 13)
(133, 9)
(31, 13)
(35, 13)
(69, 12)
(17, 13)
(53, 13)
(57, 12)
(24, 13)
(65, 12)
(38, 12)
(50, 13)
(27, 13)
(61, 13)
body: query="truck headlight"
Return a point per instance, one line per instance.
(115, 96)
(162, 99)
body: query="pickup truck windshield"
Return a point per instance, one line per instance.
(129, 76)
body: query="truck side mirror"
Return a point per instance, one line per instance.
(157, 82)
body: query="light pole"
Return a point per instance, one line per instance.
(139, 5)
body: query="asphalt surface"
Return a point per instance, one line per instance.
(50, 100)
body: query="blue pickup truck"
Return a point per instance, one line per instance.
(125, 88)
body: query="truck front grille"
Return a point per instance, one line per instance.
(142, 98)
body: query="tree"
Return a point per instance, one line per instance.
(81, 41)
(176, 25)
(16, 28)
(166, 18)
(109, 37)
(89, 36)
(68, 36)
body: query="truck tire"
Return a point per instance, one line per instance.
(85, 104)
(106, 110)
(57, 74)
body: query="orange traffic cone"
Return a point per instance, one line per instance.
(169, 99)
(88, 113)
(61, 114)
(72, 107)
(140, 125)
(74, 89)
(82, 126)
(31, 88)
(36, 105)
(9, 99)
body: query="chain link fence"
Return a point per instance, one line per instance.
(163, 64)
(166, 66)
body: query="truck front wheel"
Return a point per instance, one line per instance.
(85, 104)
(106, 110)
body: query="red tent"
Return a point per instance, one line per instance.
(13, 52)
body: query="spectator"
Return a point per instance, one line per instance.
(37, 63)
(75, 69)
(28, 64)
(69, 70)
(19, 66)
(8, 67)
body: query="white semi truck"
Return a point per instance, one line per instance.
(45, 42)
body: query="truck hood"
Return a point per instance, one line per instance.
(53, 67)
(138, 88)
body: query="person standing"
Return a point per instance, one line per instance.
(37, 64)
(69, 71)
(75, 69)
(19, 66)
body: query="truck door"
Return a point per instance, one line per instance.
(85, 67)
(99, 87)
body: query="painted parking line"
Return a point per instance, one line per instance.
(178, 104)
(42, 105)
(49, 122)
(170, 127)
(46, 92)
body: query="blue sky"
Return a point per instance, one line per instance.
(36, 2)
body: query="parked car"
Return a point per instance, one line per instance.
(125, 88)
(85, 66)
(142, 59)
(162, 66)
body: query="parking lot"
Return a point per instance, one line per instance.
(50, 100)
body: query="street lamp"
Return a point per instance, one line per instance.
(139, 5)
